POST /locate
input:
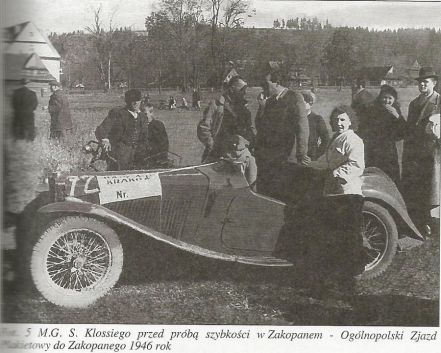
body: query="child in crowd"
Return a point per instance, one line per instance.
(241, 154)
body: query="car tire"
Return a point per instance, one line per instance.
(380, 239)
(76, 261)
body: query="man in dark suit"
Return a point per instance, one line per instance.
(421, 153)
(124, 134)
(24, 102)
(282, 132)
(61, 121)
(318, 131)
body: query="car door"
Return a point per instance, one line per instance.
(252, 223)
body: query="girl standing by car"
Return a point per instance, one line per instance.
(337, 250)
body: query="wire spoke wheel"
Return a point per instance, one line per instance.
(76, 261)
(375, 239)
(380, 239)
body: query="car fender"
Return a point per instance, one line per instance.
(378, 186)
(77, 206)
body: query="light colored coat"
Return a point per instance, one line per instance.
(344, 158)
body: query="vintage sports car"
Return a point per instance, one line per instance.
(209, 210)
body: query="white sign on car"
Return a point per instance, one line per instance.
(125, 187)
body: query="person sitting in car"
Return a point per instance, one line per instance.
(240, 153)
(157, 138)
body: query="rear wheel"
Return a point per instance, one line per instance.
(380, 239)
(76, 261)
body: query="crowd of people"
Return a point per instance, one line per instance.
(287, 149)
(289, 142)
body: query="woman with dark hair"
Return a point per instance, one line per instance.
(381, 130)
(336, 253)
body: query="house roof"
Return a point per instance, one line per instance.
(374, 73)
(27, 38)
(11, 32)
(30, 66)
(416, 65)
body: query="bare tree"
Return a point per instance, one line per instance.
(103, 43)
(225, 15)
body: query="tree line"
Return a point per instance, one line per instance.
(303, 23)
(188, 43)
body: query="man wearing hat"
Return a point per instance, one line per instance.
(124, 134)
(24, 102)
(58, 107)
(420, 175)
(224, 118)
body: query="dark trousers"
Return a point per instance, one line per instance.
(24, 126)
(322, 236)
(336, 244)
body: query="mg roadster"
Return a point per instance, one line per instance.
(208, 210)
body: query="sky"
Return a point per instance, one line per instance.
(70, 15)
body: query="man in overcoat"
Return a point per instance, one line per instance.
(282, 131)
(420, 176)
(361, 98)
(61, 121)
(124, 134)
(224, 118)
(24, 102)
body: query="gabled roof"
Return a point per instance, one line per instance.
(27, 38)
(19, 66)
(34, 63)
(374, 73)
(11, 32)
(416, 65)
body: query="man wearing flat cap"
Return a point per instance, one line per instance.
(124, 134)
(420, 175)
(24, 102)
(224, 118)
(58, 107)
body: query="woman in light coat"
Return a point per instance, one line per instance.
(337, 252)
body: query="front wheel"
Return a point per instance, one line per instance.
(380, 239)
(76, 261)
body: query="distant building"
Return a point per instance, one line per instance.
(380, 75)
(414, 70)
(298, 78)
(30, 66)
(33, 50)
